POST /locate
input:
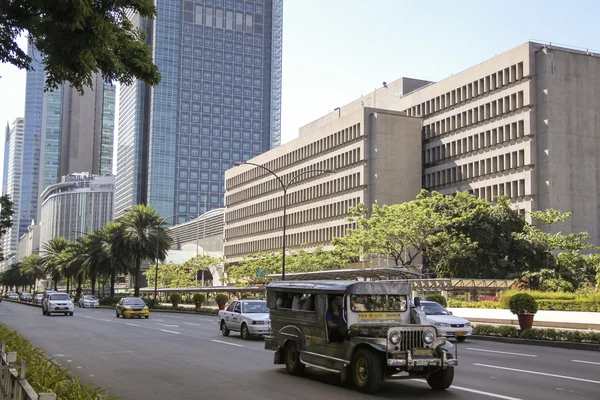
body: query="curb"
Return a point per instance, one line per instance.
(546, 324)
(535, 342)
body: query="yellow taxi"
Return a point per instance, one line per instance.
(132, 307)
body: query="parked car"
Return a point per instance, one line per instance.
(37, 299)
(132, 307)
(26, 297)
(249, 317)
(57, 303)
(447, 324)
(89, 301)
(12, 296)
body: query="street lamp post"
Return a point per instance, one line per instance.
(285, 188)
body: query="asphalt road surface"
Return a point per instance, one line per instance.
(180, 356)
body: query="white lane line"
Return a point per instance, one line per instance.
(130, 324)
(190, 323)
(169, 326)
(231, 344)
(164, 330)
(501, 352)
(464, 389)
(538, 373)
(69, 361)
(586, 362)
(98, 319)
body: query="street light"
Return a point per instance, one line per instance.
(285, 188)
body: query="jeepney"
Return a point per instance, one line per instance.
(381, 333)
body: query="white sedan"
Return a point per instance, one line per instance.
(89, 301)
(446, 324)
(249, 317)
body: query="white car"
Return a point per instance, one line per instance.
(249, 317)
(89, 301)
(446, 324)
(57, 303)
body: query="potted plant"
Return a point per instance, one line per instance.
(199, 298)
(175, 299)
(221, 300)
(525, 307)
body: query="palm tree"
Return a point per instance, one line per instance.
(32, 267)
(52, 258)
(95, 261)
(71, 263)
(144, 237)
(113, 245)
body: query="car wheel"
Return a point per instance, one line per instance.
(117, 313)
(441, 379)
(293, 365)
(366, 371)
(70, 314)
(461, 338)
(43, 312)
(147, 316)
(224, 329)
(245, 332)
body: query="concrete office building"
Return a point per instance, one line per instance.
(523, 124)
(13, 188)
(29, 243)
(82, 202)
(218, 102)
(5, 162)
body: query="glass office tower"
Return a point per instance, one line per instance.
(218, 102)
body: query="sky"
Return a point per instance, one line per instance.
(334, 51)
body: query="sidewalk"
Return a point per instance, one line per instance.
(545, 319)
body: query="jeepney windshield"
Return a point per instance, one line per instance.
(377, 303)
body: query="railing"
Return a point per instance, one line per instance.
(13, 385)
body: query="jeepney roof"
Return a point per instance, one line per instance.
(340, 286)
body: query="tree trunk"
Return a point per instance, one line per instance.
(93, 279)
(68, 284)
(79, 283)
(136, 287)
(112, 279)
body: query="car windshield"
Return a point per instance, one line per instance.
(255, 307)
(434, 309)
(133, 302)
(377, 303)
(90, 298)
(60, 297)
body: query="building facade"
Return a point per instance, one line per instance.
(218, 102)
(81, 203)
(29, 243)
(13, 188)
(523, 124)
(5, 162)
(376, 156)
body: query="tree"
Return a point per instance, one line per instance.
(78, 39)
(6, 214)
(52, 258)
(143, 231)
(32, 268)
(112, 234)
(12, 277)
(201, 262)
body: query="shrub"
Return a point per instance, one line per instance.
(199, 298)
(522, 303)
(538, 333)
(110, 301)
(438, 298)
(175, 298)
(488, 298)
(473, 304)
(221, 298)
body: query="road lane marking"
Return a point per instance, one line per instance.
(98, 319)
(501, 352)
(538, 373)
(586, 362)
(231, 344)
(164, 330)
(130, 324)
(464, 389)
(190, 323)
(169, 326)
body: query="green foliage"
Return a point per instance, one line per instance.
(6, 209)
(175, 298)
(180, 275)
(538, 333)
(78, 39)
(46, 376)
(438, 298)
(53, 258)
(453, 303)
(199, 298)
(221, 298)
(556, 285)
(522, 303)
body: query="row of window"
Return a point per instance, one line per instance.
(476, 169)
(218, 110)
(217, 144)
(339, 161)
(493, 109)
(479, 87)
(317, 192)
(513, 190)
(325, 144)
(206, 131)
(478, 141)
(219, 33)
(225, 121)
(218, 77)
(219, 88)
(317, 214)
(237, 47)
(222, 56)
(322, 236)
(219, 66)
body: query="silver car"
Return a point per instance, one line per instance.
(89, 301)
(249, 317)
(446, 324)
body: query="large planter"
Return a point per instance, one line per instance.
(525, 321)
(175, 304)
(198, 305)
(221, 306)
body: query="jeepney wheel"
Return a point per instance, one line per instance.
(366, 371)
(224, 329)
(293, 365)
(441, 379)
(461, 338)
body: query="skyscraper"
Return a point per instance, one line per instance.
(5, 166)
(218, 102)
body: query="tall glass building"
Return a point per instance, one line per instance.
(219, 102)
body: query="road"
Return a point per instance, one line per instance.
(180, 356)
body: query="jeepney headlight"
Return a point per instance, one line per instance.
(428, 337)
(395, 337)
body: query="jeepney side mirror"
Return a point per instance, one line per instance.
(417, 301)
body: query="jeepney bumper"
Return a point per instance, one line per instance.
(409, 362)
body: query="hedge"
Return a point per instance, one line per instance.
(537, 333)
(44, 375)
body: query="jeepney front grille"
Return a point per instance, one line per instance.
(410, 339)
